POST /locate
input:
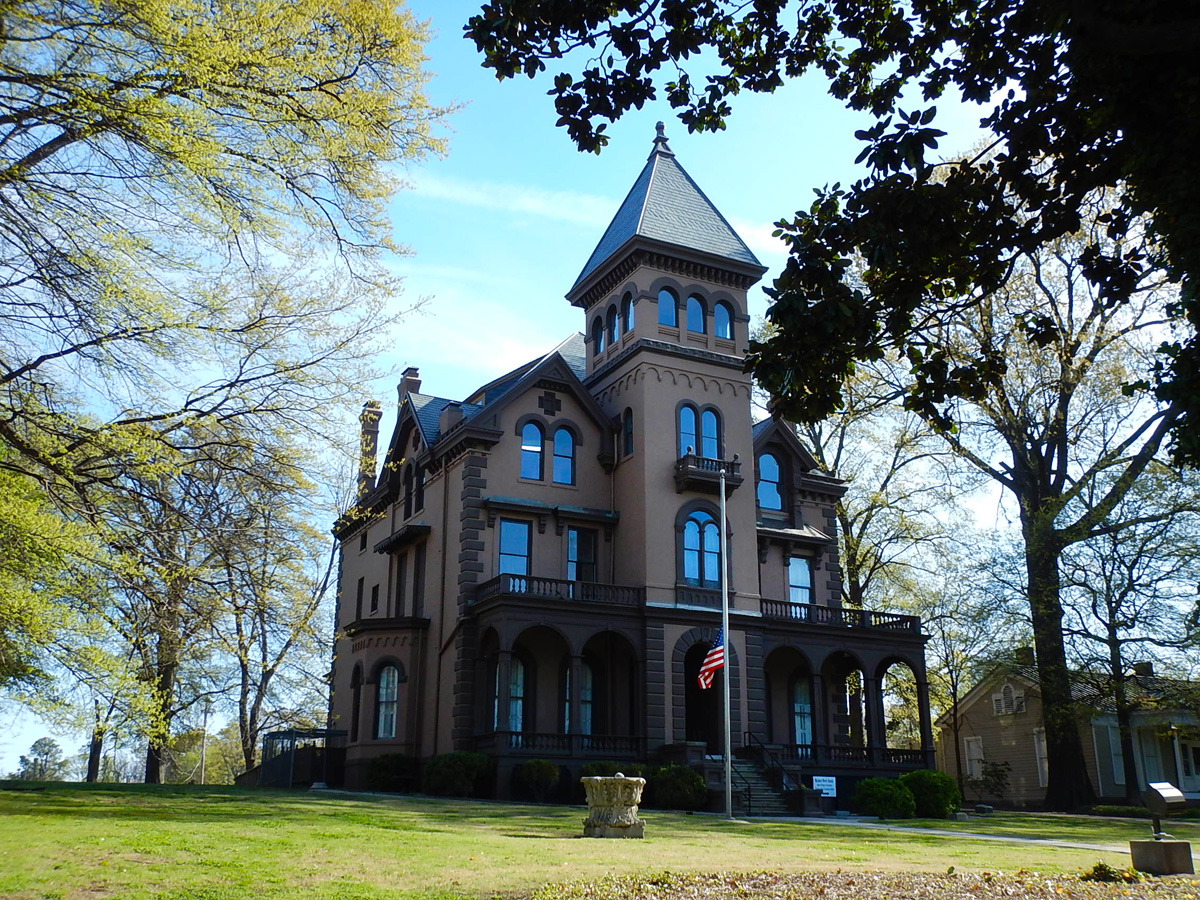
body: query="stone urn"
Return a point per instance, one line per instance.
(613, 807)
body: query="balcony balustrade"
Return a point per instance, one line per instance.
(601, 746)
(842, 755)
(840, 616)
(703, 474)
(557, 589)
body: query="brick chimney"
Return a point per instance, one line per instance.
(368, 444)
(1143, 668)
(1024, 656)
(410, 383)
(451, 416)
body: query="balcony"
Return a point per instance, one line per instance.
(556, 589)
(702, 474)
(840, 617)
(843, 755)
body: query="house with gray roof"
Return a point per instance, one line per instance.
(533, 571)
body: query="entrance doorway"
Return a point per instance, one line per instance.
(702, 706)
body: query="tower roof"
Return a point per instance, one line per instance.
(667, 206)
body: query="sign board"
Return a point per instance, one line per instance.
(826, 784)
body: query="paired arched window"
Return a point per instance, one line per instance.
(695, 315)
(627, 432)
(613, 334)
(564, 457)
(627, 313)
(701, 431)
(799, 579)
(531, 451)
(701, 550)
(668, 307)
(723, 321)
(597, 336)
(770, 495)
(387, 691)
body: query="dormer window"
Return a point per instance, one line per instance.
(723, 321)
(1007, 701)
(770, 495)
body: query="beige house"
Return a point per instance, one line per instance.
(534, 569)
(1000, 720)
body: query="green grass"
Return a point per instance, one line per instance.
(187, 843)
(1084, 829)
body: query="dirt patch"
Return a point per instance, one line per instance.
(868, 886)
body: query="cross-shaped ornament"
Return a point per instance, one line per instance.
(549, 403)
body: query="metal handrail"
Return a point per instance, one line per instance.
(770, 761)
(744, 786)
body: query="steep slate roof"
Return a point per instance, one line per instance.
(666, 205)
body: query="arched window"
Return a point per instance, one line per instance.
(695, 314)
(688, 434)
(385, 703)
(627, 313)
(799, 579)
(801, 709)
(408, 491)
(701, 550)
(613, 334)
(564, 457)
(668, 307)
(723, 321)
(710, 434)
(769, 495)
(531, 451)
(597, 336)
(627, 432)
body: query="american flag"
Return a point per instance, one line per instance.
(713, 661)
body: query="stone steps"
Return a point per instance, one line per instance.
(762, 798)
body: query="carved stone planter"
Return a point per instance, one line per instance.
(613, 807)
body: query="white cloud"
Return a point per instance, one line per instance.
(564, 206)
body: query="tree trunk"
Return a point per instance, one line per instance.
(95, 749)
(1068, 786)
(1116, 667)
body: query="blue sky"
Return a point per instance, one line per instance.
(500, 227)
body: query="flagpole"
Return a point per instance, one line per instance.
(725, 649)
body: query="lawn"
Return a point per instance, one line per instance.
(189, 843)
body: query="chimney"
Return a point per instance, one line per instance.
(368, 443)
(410, 383)
(1145, 669)
(1024, 656)
(450, 416)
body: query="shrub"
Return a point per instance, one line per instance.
(1107, 874)
(993, 780)
(538, 777)
(884, 797)
(392, 773)
(677, 787)
(936, 794)
(454, 774)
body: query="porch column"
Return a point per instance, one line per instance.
(503, 677)
(876, 723)
(926, 721)
(820, 717)
(573, 700)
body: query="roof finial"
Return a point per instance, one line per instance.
(660, 141)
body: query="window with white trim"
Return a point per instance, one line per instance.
(1039, 753)
(1116, 754)
(385, 703)
(1007, 701)
(973, 751)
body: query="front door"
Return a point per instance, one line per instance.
(703, 706)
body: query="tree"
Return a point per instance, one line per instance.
(43, 762)
(192, 230)
(1128, 592)
(1081, 98)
